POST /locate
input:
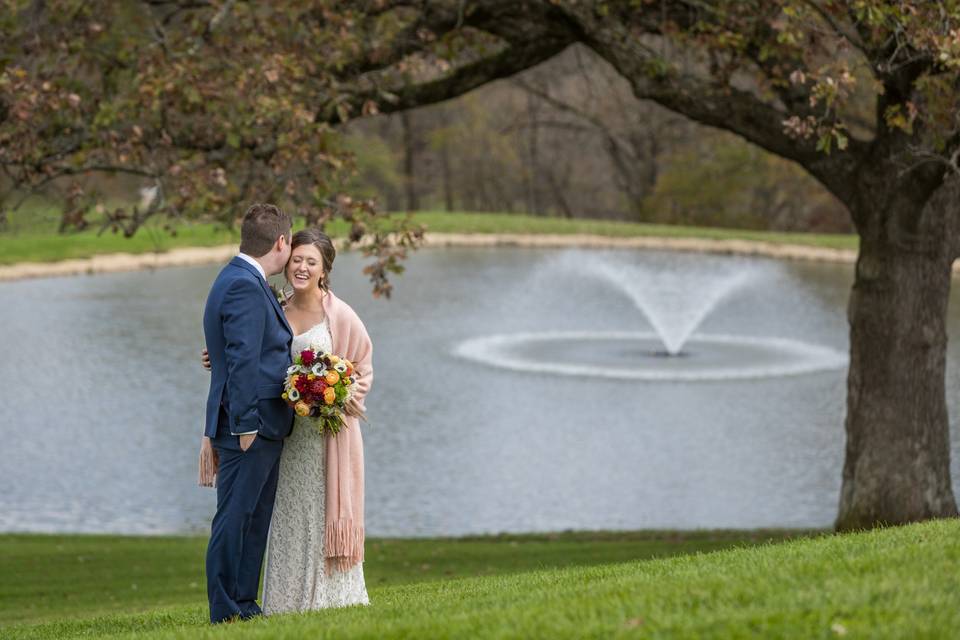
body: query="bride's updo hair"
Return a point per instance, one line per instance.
(313, 235)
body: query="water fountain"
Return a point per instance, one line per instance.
(674, 302)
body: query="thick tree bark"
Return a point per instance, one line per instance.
(897, 466)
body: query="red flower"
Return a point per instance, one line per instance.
(317, 386)
(301, 384)
(306, 356)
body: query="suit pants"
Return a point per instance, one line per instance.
(246, 488)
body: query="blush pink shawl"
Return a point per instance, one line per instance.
(344, 533)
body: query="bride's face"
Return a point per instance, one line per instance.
(305, 268)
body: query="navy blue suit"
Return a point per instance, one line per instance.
(248, 339)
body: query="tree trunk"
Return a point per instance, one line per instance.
(446, 176)
(409, 160)
(897, 466)
(533, 156)
(556, 188)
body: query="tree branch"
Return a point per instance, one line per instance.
(850, 35)
(506, 62)
(432, 17)
(723, 106)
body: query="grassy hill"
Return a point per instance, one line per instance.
(894, 583)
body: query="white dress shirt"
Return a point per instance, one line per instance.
(253, 261)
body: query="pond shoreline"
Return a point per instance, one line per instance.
(194, 256)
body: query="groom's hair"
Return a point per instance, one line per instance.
(262, 225)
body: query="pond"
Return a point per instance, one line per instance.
(506, 395)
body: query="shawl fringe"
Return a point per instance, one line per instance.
(343, 544)
(343, 538)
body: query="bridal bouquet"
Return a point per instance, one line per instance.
(318, 385)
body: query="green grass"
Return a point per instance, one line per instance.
(33, 236)
(511, 223)
(44, 247)
(899, 582)
(54, 577)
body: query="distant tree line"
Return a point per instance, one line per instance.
(568, 138)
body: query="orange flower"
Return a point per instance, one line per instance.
(302, 409)
(329, 395)
(332, 377)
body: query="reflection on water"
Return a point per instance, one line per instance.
(102, 403)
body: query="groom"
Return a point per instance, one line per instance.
(248, 339)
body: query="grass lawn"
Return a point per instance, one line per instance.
(35, 238)
(59, 576)
(509, 223)
(893, 583)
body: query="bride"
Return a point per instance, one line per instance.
(315, 545)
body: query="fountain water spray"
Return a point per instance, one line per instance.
(675, 296)
(674, 302)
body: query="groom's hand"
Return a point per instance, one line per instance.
(209, 462)
(247, 441)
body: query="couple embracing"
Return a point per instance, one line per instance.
(283, 489)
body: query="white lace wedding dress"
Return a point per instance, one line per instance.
(294, 579)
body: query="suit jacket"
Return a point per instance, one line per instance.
(248, 339)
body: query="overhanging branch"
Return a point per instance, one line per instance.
(723, 106)
(506, 62)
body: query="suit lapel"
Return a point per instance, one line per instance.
(243, 264)
(276, 304)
